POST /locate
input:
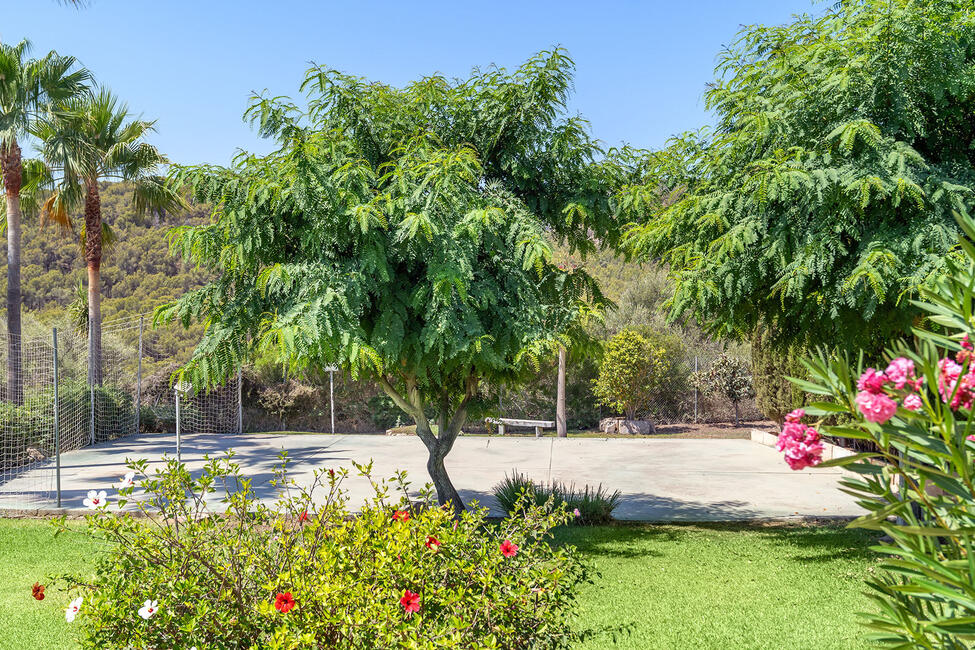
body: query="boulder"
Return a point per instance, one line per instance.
(636, 427)
(609, 425)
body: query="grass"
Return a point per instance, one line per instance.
(661, 586)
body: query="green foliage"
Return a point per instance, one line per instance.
(631, 372)
(594, 505)
(822, 200)
(402, 234)
(217, 577)
(917, 480)
(729, 377)
(775, 395)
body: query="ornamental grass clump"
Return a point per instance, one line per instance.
(306, 572)
(917, 482)
(587, 506)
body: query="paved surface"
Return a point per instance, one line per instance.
(661, 480)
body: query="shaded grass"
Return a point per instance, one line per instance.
(661, 586)
(724, 586)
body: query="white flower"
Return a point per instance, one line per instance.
(73, 609)
(148, 609)
(127, 481)
(95, 500)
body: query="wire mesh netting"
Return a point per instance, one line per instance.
(48, 404)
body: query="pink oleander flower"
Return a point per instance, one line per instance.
(796, 415)
(875, 407)
(971, 438)
(900, 371)
(966, 343)
(95, 499)
(800, 445)
(913, 402)
(871, 381)
(954, 386)
(73, 608)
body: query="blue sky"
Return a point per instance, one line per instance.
(191, 65)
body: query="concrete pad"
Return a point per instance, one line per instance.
(660, 480)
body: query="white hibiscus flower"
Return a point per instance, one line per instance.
(73, 608)
(149, 608)
(95, 499)
(127, 481)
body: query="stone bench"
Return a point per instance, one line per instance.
(538, 425)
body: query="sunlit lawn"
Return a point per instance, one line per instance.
(715, 586)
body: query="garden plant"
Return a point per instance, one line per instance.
(303, 572)
(918, 481)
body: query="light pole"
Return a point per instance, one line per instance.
(181, 388)
(331, 393)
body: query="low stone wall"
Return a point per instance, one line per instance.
(830, 451)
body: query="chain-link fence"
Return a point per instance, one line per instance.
(48, 406)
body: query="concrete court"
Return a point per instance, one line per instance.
(661, 480)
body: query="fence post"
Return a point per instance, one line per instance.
(57, 419)
(91, 389)
(178, 450)
(240, 402)
(331, 397)
(695, 390)
(138, 380)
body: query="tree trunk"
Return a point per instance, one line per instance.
(560, 424)
(737, 420)
(10, 163)
(93, 259)
(446, 492)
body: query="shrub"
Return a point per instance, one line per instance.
(594, 506)
(775, 395)
(918, 479)
(296, 575)
(632, 370)
(728, 377)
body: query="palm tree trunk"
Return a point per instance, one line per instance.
(10, 163)
(93, 260)
(560, 424)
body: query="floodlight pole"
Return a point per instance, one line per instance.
(331, 393)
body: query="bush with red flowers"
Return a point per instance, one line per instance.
(307, 572)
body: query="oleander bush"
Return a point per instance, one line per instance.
(587, 506)
(304, 572)
(917, 479)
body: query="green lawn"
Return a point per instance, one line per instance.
(695, 586)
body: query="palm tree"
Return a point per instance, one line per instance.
(28, 88)
(89, 140)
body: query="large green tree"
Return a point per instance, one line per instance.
(28, 88)
(89, 140)
(403, 234)
(823, 198)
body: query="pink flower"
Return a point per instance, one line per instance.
(954, 386)
(410, 602)
(912, 402)
(796, 415)
(900, 371)
(876, 407)
(871, 381)
(576, 513)
(966, 343)
(971, 438)
(801, 445)
(508, 548)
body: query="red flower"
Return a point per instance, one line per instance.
(303, 517)
(37, 591)
(508, 549)
(433, 544)
(410, 601)
(401, 515)
(284, 603)
(331, 473)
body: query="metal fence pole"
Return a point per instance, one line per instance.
(138, 380)
(91, 388)
(331, 396)
(695, 390)
(178, 450)
(240, 402)
(57, 419)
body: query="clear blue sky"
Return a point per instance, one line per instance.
(641, 66)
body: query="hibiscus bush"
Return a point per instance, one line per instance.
(211, 565)
(917, 482)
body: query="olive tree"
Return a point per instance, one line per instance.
(403, 234)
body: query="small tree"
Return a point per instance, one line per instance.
(632, 370)
(728, 377)
(404, 235)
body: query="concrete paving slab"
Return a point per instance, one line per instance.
(660, 480)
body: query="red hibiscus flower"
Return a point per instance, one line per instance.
(433, 544)
(37, 591)
(401, 515)
(303, 517)
(508, 549)
(410, 602)
(284, 603)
